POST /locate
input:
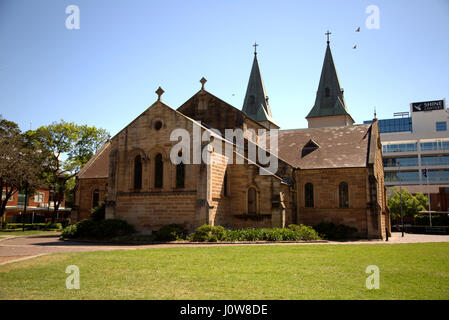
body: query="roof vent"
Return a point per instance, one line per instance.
(309, 147)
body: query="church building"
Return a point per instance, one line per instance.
(331, 171)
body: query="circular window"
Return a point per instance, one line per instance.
(158, 125)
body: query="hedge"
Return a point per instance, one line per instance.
(207, 233)
(103, 229)
(331, 231)
(34, 226)
(437, 220)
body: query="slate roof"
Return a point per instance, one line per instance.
(339, 147)
(98, 165)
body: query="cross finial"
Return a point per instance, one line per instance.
(159, 93)
(203, 82)
(328, 34)
(375, 113)
(255, 45)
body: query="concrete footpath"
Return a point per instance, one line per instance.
(21, 248)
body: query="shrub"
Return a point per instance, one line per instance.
(98, 229)
(207, 233)
(437, 220)
(171, 232)
(56, 225)
(307, 232)
(293, 233)
(98, 213)
(112, 228)
(82, 229)
(331, 231)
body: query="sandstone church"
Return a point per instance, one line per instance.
(332, 171)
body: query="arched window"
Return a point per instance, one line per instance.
(252, 200)
(137, 172)
(158, 171)
(225, 184)
(95, 198)
(308, 195)
(343, 195)
(180, 175)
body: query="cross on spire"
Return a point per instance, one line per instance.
(255, 45)
(159, 93)
(203, 82)
(328, 34)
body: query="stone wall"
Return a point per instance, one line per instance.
(84, 196)
(326, 197)
(148, 211)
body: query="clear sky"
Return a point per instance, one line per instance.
(105, 73)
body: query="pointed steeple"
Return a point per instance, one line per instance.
(256, 104)
(329, 100)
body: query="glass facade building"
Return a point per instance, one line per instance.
(403, 162)
(415, 141)
(394, 125)
(402, 176)
(400, 147)
(438, 175)
(428, 161)
(435, 146)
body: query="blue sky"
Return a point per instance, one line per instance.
(105, 73)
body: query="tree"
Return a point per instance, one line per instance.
(20, 163)
(423, 200)
(67, 148)
(411, 205)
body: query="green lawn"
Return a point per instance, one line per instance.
(407, 271)
(24, 233)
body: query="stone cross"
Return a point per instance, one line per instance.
(328, 34)
(255, 45)
(203, 82)
(159, 93)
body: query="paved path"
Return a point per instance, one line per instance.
(21, 248)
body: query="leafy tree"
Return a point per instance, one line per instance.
(20, 163)
(423, 200)
(411, 205)
(67, 148)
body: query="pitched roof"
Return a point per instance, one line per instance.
(221, 115)
(98, 165)
(256, 104)
(329, 98)
(338, 147)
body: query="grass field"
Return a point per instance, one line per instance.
(407, 271)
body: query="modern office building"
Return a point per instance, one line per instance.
(415, 148)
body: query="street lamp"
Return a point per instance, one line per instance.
(400, 197)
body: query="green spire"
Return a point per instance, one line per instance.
(329, 98)
(256, 104)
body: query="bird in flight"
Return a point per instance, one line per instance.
(355, 46)
(358, 29)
